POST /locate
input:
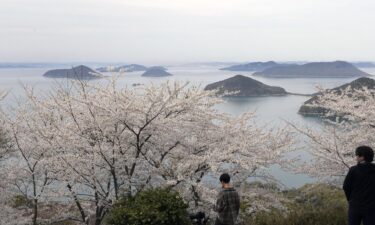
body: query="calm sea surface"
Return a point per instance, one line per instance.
(271, 111)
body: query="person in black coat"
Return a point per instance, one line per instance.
(359, 187)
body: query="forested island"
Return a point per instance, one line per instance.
(253, 66)
(314, 69)
(78, 72)
(312, 107)
(156, 71)
(242, 86)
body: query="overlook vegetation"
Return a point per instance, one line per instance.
(313, 204)
(309, 205)
(150, 207)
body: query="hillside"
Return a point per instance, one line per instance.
(78, 72)
(254, 66)
(156, 71)
(315, 69)
(244, 87)
(307, 110)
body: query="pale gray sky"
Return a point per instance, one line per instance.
(163, 31)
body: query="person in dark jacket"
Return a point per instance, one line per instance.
(228, 203)
(359, 187)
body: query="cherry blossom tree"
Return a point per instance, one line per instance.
(4, 140)
(90, 142)
(349, 123)
(27, 168)
(353, 104)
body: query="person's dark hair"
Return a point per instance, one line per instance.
(366, 152)
(225, 178)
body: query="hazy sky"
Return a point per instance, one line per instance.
(163, 31)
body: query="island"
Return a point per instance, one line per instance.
(307, 109)
(242, 86)
(124, 68)
(78, 72)
(334, 69)
(156, 71)
(253, 66)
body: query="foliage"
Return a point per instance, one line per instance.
(150, 207)
(259, 197)
(310, 205)
(21, 201)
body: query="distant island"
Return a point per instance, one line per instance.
(253, 66)
(315, 69)
(28, 65)
(78, 72)
(307, 110)
(124, 68)
(156, 71)
(242, 86)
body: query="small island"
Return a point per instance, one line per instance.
(335, 69)
(125, 68)
(307, 109)
(78, 72)
(253, 66)
(156, 71)
(242, 86)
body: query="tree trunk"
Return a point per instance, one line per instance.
(196, 197)
(115, 183)
(35, 201)
(35, 211)
(78, 204)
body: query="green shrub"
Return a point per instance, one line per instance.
(310, 205)
(151, 207)
(20, 201)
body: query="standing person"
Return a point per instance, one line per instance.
(228, 203)
(359, 187)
